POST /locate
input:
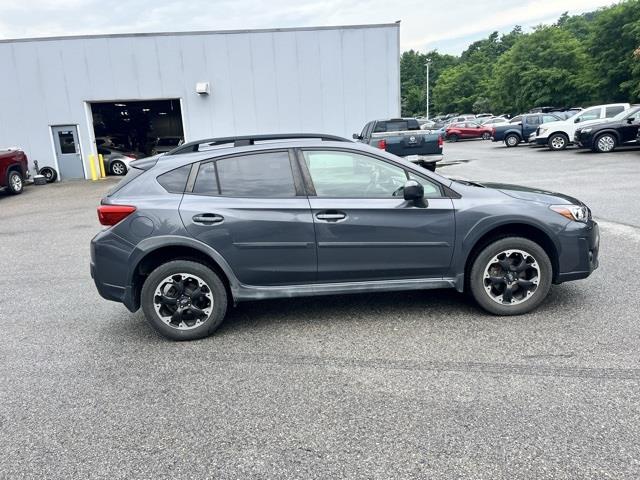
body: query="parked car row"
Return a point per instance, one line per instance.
(601, 128)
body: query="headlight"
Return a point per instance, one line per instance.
(578, 213)
(586, 130)
(543, 130)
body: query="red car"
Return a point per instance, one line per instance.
(463, 130)
(14, 169)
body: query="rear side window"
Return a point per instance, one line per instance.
(176, 180)
(533, 120)
(613, 111)
(266, 175)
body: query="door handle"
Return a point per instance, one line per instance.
(331, 216)
(207, 218)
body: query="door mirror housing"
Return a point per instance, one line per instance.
(577, 120)
(356, 136)
(631, 119)
(413, 191)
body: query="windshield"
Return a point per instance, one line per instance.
(629, 112)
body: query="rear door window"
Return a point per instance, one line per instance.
(613, 111)
(266, 175)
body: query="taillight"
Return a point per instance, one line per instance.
(109, 215)
(382, 144)
(440, 141)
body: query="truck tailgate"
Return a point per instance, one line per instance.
(404, 144)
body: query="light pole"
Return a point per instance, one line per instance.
(428, 63)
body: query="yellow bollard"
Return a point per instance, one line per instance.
(101, 163)
(92, 166)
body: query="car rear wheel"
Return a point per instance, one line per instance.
(453, 138)
(118, 167)
(605, 143)
(512, 140)
(511, 276)
(184, 300)
(486, 136)
(15, 182)
(558, 141)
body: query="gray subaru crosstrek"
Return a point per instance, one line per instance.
(221, 221)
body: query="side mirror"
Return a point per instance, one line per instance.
(577, 120)
(413, 191)
(631, 119)
(356, 136)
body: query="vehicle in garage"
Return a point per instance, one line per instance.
(520, 128)
(605, 137)
(226, 220)
(165, 144)
(14, 170)
(116, 162)
(405, 138)
(559, 135)
(466, 130)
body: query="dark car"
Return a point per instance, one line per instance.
(14, 169)
(222, 221)
(520, 128)
(605, 137)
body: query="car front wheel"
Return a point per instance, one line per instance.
(15, 183)
(453, 138)
(605, 143)
(486, 136)
(511, 276)
(184, 300)
(558, 141)
(512, 141)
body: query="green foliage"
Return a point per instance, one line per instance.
(579, 60)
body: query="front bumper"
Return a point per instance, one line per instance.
(579, 249)
(542, 140)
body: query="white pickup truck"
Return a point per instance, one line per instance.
(558, 135)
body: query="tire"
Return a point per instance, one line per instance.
(15, 184)
(49, 174)
(486, 136)
(537, 274)
(453, 138)
(605, 143)
(512, 140)
(192, 275)
(429, 166)
(558, 141)
(118, 168)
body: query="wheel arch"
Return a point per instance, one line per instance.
(156, 251)
(512, 229)
(612, 131)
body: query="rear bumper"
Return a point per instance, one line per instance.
(580, 246)
(109, 267)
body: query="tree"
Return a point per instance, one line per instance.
(546, 67)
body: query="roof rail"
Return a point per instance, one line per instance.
(245, 140)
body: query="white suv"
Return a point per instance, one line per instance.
(557, 135)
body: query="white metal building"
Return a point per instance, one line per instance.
(327, 79)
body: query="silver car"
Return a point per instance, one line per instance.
(116, 162)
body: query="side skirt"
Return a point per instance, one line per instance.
(251, 292)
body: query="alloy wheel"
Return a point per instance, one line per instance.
(118, 168)
(183, 301)
(511, 277)
(606, 143)
(16, 182)
(558, 142)
(512, 141)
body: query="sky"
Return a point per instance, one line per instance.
(425, 24)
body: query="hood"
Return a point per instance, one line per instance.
(569, 121)
(531, 194)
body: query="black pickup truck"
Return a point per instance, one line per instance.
(404, 138)
(520, 128)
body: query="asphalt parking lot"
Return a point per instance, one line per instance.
(397, 385)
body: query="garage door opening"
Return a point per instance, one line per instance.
(128, 130)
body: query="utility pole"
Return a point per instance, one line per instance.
(428, 63)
